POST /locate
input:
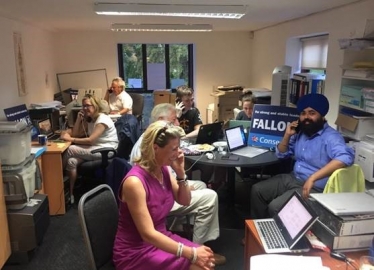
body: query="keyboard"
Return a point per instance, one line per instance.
(272, 236)
(54, 137)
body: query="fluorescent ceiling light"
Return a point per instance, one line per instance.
(203, 11)
(162, 27)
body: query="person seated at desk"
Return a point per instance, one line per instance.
(119, 100)
(98, 131)
(248, 101)
(147, 195)
(204, 201)
(318, 150)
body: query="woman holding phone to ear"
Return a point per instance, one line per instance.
(99, 131)
(119, 101)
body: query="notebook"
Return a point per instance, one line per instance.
(237, 143)
(289, 226)
(209, 133)
(45, 128)
(339, 204)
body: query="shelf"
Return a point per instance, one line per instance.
(352, 107)
(358, 78)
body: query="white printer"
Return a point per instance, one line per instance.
(365, 158)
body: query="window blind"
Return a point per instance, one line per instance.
(314, 52)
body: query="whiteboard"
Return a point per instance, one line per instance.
(86, 79)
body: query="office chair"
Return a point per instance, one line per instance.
(349, 179)
(98, 217)
(128, 132)
(137, 107)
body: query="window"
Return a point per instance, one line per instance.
(146, 67)
(314, 53)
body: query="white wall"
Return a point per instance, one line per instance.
(269, 45)
(39, 64)
(221, 57)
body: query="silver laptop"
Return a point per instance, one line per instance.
(285, 232)
(237, 143)
(339, 204)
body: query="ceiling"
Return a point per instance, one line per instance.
(58, 15)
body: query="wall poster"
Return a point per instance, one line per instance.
(20, 64)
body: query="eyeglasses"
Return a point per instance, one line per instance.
(86, 106)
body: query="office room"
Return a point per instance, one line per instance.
(221, 57)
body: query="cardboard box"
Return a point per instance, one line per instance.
(355, 127)
(163, 96)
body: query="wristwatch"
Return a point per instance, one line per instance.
(182, 181)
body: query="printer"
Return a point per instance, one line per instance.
(365, 158)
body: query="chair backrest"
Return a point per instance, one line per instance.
(98, 216)
(137, 103)
(349, 179)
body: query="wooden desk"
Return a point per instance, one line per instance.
(5, 249)
(53, 176)
(253, 247)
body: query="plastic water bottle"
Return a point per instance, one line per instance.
(371, 249)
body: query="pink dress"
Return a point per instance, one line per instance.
(130, 251)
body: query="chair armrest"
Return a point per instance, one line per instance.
(104, 154)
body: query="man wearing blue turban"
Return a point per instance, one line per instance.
(318, 150)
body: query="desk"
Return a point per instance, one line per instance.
(253, 247)
(53, 176)
(261, 160)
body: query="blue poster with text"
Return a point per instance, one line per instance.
(269, 122)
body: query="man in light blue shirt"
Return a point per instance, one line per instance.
(318, 150)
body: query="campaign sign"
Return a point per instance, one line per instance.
(20, 114)
(269, 123)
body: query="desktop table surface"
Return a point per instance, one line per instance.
(263, 159)
(254, 247)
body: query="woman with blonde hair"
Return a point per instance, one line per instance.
(98, 132)
(146, 195)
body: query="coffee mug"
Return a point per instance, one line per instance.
(42, 139)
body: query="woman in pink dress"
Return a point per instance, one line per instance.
(146, 196)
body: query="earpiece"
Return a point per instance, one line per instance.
(210, 155)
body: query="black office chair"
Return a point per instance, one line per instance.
(98, 217)
(137, 107)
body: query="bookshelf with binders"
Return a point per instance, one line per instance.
(305, 83)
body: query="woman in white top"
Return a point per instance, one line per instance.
(98, 132)
(119, 101)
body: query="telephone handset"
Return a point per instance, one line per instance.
(88, 119)
(297, 129)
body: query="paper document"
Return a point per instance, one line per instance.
(286, 262)
(255, 151)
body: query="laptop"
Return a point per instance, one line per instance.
(285, 232)
(45, 128)
(357, 203)
(237, 143)
(245, 123)
(209, 133)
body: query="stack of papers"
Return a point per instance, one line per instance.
(286, 262)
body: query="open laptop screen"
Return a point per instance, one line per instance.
(235, 138)
(295, 218)
(45, 127)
